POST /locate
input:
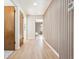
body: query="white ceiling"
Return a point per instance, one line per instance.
(30, 9)
(8, 3)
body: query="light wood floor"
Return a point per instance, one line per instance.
(33, 49)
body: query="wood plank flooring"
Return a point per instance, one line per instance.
(34, 49)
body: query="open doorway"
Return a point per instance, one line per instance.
(39, 29)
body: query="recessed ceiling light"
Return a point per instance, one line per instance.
(35, 4)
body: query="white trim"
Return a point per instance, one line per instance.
(57, 54)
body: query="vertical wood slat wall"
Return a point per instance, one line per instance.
(66, 46)
(58, 27)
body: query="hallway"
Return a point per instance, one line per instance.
(34, 49)
(27, 20)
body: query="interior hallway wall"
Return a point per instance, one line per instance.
(58, 28)
(17, 23)
(17, 27)
(66, 29)
(31, 25)
(51, 23)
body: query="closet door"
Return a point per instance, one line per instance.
(9, 28)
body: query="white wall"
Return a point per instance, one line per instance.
(17, 27)
(25, 27)
(31, 25)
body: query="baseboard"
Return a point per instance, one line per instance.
(53, 50)
(8, 54)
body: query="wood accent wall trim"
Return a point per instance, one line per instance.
(53, 50)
